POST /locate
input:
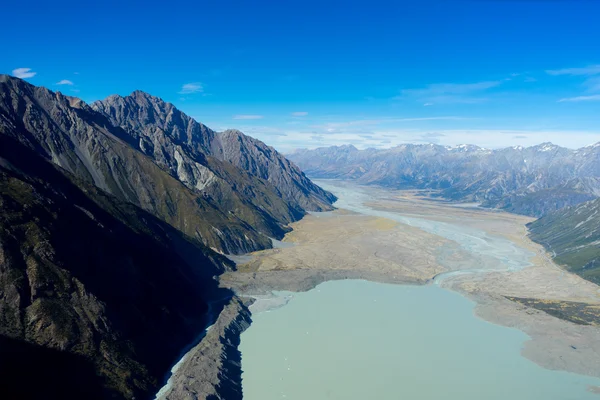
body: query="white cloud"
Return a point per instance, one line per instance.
(65, 82)
(591, 83)
(23, 73)
(427, 104)
(189, 88)
(362, 123)
(247, 116)
(595, 97)
(452, 88)
(449, 92)
(377, 133)
(299, 114)
(589, 70)
(487, 138)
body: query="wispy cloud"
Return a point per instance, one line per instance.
(299, 114)
(427, 104)
(585, 71)
(449, 92)
(591, 84)
(595, 97)
(65, 82)
(452, 88)
(488, 138)
(189, 88)
(23, 73)
(365, 126)
(248, 116)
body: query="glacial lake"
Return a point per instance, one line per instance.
(355, 339)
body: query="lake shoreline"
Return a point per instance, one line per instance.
(554, 344)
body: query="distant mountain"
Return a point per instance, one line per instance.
(532, 181)
(159, 159)
(572, 235)
(97, 296)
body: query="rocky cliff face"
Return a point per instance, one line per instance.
(266, 163)
(532, 181)
(194, 153)
(155, 161)
(91, 285)
(572, 236)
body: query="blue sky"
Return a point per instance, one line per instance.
(315, 73)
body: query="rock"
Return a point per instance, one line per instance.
(93, 284)
(158, 159)
(532, 181)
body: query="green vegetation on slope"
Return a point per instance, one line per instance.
(578, 313)
(572, 236)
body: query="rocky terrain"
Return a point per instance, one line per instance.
(93, 284)
(572, 236)
(531, 181)
(110, 234)
(212, 369)
(190, 150)
(228, 208)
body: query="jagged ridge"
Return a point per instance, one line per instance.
(532, 181)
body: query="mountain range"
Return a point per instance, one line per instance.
(114, 218)
(526, 180)
(145, 151)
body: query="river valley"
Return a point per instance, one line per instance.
(398, 296)
(349, 339)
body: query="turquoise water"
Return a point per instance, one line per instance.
(362, 340)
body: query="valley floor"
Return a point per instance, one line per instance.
(408, 239)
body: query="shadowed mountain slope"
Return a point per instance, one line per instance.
(89, 280)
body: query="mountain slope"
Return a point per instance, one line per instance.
(532, 181)
(226, 208)
(266, 163)
(91, 284)
(188, 148)
(572, 235)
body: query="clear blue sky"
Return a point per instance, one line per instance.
(312, 73)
